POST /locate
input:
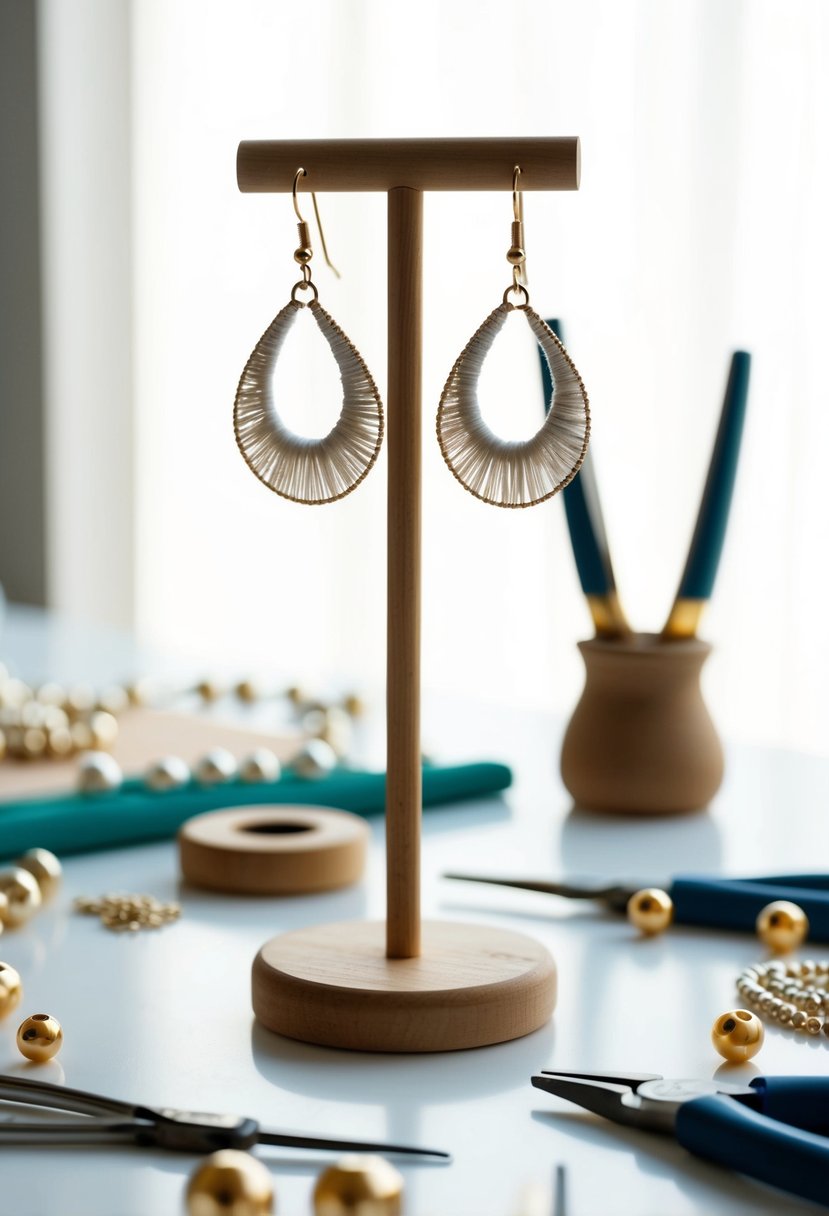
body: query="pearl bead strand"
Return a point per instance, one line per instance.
(795, 994)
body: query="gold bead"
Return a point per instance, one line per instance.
(104, 728)
(11, 990)
(22, 893)
(737, 1035)
(51, 694)
(359, 1186)
(813, 1025)
(782, 926)
(82, 739)
(650, 911)
(230, 1183)
(44, 868)
(113, 699)
(140, 692)
(248, 690)
(39, 1038)
(303, 256)
(208, 690)
(516, 255)
(61, 744)
(80, 700)
(33, 743)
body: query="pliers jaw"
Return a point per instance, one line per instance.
(643, 1100)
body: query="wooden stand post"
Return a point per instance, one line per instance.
(403, 770)
(360, 985)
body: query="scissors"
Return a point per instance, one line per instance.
(717, 903)
(772, 1129)
(113, 1122)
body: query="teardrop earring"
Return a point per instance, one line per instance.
(501, 472)
(308, 470)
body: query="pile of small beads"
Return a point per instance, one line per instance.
(52, 722)
(129, 913)
(792, 993)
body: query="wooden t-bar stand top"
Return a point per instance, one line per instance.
(287, 993)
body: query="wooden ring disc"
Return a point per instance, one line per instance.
(473, 985)
(273, 850)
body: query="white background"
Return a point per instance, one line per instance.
(699, 228)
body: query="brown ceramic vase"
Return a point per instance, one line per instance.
(641, 740)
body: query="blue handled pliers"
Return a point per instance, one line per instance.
(705, 899)
(773, 1129)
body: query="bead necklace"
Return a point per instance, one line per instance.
(793, 993)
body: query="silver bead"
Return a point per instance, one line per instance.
(99, 773)
(261, 765)
(215, 768)
(168, 773)
(316, 759)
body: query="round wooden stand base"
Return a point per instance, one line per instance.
(473, 985)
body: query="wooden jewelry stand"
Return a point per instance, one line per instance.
(365, 985)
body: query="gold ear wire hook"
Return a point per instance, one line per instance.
(516, 256)
(304, 253)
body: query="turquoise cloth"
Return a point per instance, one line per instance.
(80, 823)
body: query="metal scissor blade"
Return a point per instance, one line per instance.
(599, 1097)
(615, 895)
(632, 1079)
(296, 1140)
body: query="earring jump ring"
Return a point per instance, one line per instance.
(518, 289)
(304, 285)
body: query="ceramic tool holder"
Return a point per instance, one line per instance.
(400, 986)
(641, 740)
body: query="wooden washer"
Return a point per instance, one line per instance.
(273, 850)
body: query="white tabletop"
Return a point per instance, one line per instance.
(164, 1017)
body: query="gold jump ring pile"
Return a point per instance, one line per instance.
(129, 913)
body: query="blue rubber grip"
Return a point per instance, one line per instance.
(735, 903)
(799, 1101)
(733, 1135)
(697, 581)
(75, 823)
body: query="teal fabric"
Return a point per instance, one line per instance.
(80, 823)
